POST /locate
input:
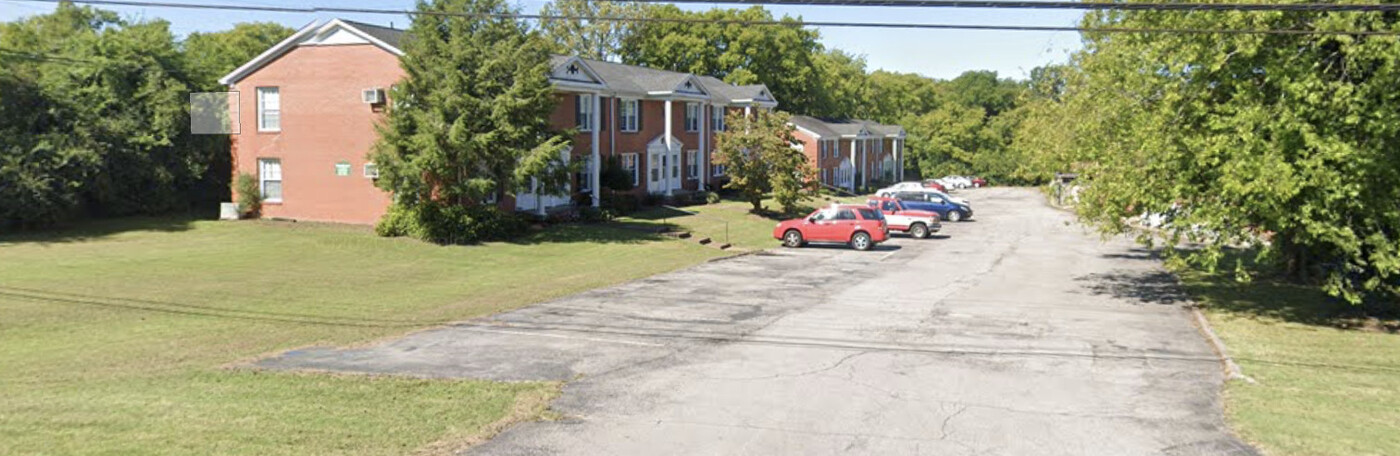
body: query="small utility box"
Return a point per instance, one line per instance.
(228, 211)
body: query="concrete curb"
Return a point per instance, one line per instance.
(1232, 369)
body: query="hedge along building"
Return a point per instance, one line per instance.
(309, 104)
(851, 153)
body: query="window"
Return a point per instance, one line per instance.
(692, 117)
(823, 174)
(845, 214)
(342, 169)
(717, 118)
(585, 175)
(583, 112)
(270, 179)
(871, 214)
(889, 206)
(692, 168)
(717, 170)
(371, 171)
(269, 109)
(627, 119)
(629, 162)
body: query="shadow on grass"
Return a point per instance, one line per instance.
(596, 233)
(1290, 302)
(1265, 296)
(90, 230)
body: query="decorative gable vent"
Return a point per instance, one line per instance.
(573, 69)
(372, 96)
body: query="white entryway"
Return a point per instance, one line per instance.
(663, 165)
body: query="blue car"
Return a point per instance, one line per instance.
(947, 210)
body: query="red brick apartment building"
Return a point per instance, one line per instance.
(307, 109)
(851, 153)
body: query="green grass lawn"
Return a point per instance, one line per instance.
(1321, 389)
(125, 336)
(731, 219)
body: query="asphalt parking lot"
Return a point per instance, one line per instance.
(1016, 333)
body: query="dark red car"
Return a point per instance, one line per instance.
(935, 185)
(978, 182)
(860, 227)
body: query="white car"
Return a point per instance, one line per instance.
(900, 187)
(957, 182)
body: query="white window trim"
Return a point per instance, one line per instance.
(692, 123)
(623, 117)
(717, 118)
(692, 169)
(636, 174)
(262, 110)
(586, 175)
(717, 170)
(263, 179)
(584, 103)
(371, 166)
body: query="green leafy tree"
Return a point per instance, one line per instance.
(97, 123)
(210, 55)
(1281, 142)
(758, 155)
(571, 29)
(781, 56)
(470, 120)
(845, 88)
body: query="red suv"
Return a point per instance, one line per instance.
(860, 227)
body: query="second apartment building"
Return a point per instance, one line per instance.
(852, 153)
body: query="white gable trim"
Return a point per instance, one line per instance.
(306, 36)
(660, 140)
(811, 133)
(594, 81)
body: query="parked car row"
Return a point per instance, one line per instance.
(960, 182)
(908, 207)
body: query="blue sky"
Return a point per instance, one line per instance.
(935, 53)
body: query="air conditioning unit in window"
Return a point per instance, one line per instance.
(372, 96)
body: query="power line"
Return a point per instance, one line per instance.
(787, 23)
(1065, 5)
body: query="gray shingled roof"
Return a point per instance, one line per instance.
(830, 128)
(390, 36)
(814, 125)
(635, 80)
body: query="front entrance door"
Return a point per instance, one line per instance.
(654, 170)
(663, 167)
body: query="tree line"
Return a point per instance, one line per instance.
(94, 117)
(1269, 154)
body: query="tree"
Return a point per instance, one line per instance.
(470, 120)
(845, 89)
(758, 155)
(716, 43)
(1285, 143)
(945, 140)
(579, 35)
(210, 55)
(95, 119)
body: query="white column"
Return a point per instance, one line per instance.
(704, 153)
(865, 154)
(596, 165)
(747, 111)
(666, 170)
(854, 166)
(899, 159)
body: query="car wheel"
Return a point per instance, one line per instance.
(919, 231)
(955, 216)
(861, 241)
(792, 238)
